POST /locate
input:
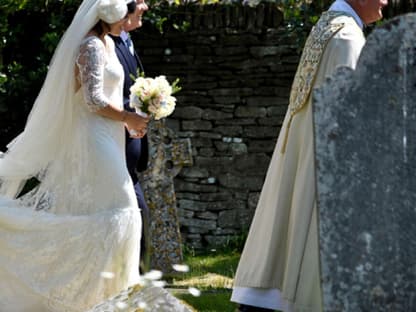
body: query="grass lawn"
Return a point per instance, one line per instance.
(211, 272)
(210, 302)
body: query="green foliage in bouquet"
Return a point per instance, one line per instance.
(175, 86)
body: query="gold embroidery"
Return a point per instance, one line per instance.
(308, 66)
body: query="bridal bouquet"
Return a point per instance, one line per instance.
(153, 96)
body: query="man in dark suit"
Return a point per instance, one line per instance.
(137, 152)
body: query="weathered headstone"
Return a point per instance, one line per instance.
(168, 155)
(365, 138)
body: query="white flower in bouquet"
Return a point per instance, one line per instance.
(153, 96)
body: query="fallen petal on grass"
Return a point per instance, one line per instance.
(194, 292)
(180, 267)
(153, 275)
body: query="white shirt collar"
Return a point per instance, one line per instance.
(124, 35)
(343, 6)
(126, 39)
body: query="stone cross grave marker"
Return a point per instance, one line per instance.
(365, 144)
(168, 154)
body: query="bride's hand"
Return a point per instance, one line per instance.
(136, 124)
(137, 134)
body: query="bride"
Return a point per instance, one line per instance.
(81, 224)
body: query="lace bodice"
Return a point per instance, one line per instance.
(99, 71)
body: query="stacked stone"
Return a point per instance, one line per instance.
(236, 81)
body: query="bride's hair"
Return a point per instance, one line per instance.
(100, 27)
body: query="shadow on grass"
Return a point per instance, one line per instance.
(210, 302)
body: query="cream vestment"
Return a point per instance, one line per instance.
(281, 251)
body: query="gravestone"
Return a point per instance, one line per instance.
(167, 155)
(365, 140)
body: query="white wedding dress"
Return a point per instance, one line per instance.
(83, 218)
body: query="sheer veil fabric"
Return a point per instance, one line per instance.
(82, 219)
(51, 120)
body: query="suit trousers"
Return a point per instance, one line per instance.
(133, 152)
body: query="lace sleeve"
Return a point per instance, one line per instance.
(90, 62)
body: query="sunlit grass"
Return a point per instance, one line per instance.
(220, 265)
(208, 280)
(211, 272)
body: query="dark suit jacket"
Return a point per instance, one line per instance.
(130, 65)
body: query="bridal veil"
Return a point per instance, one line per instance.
(43, 141)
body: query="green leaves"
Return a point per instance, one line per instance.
(138, 74)
(175, 87)
(300, 16)
(3, 79)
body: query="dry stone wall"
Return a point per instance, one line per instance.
(236, 66)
